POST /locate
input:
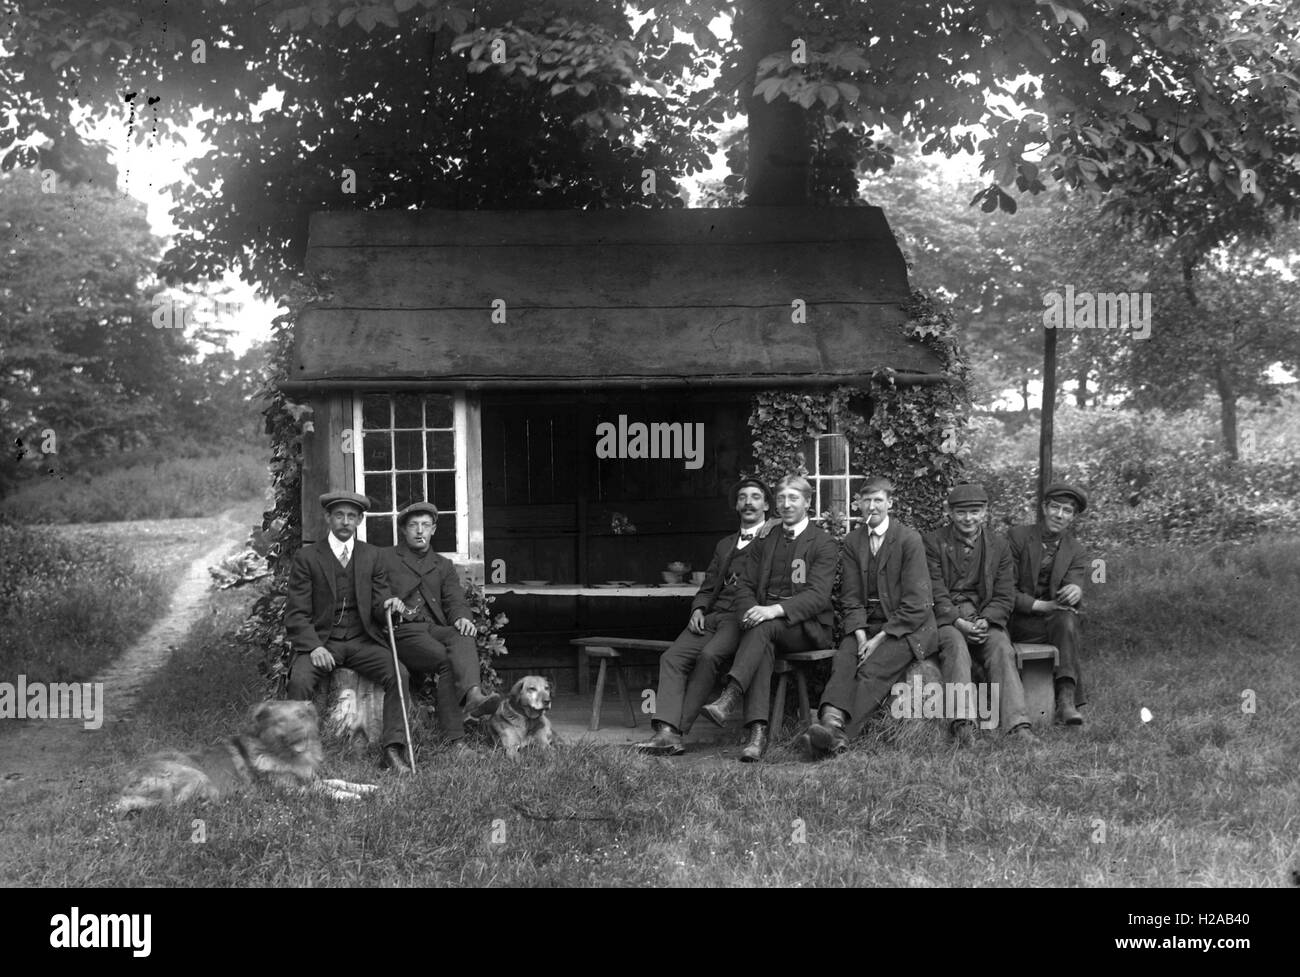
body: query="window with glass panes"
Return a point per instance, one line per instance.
(827, 459)
(411, 451)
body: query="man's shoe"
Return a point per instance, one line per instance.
(1065, 711)
(1023, 734)
(477, 705)
(963, 734)
(757, 745)
(666, 741)
(395, 760)
(721, 708)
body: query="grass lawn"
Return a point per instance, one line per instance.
(1203, 795)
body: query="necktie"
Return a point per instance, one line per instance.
(346, 558)
(874, 543)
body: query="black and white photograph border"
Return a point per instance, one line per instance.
(708, 443)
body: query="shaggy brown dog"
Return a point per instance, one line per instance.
(281, 747)
(520, 719)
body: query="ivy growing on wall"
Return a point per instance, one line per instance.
(910, 433)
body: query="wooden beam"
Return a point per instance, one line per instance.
(595, 344)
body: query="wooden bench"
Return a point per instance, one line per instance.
(1037, 664)
(795, 663)
(610, 652)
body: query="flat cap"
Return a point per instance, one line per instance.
(968, 493)
(330, 499)
(414, 508)
(1065, 488)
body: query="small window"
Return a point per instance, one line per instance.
(826, 457)
(413, 450)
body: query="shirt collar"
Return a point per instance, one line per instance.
(339, 547)
(799, 527)
(881, 529)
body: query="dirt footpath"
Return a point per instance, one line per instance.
(38, 753)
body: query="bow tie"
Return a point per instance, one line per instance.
(789, 533)
(745, 536)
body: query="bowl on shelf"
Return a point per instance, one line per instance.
(670, 577)
(697, 577)
(534, 583)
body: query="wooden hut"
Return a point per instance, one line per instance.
(497, 363)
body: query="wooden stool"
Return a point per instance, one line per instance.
(794, 663)
(354, 705)
(610, 651)
(1037, 664)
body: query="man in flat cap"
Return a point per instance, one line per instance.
(336, 587)
(688, 669)
(1050, 569)
(783, 600)
(888, 621)
(973, 582)
(434, 626)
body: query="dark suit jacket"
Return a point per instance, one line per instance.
(436, 580)
(996, 588)
(902, 584)
(1071, 566)
(714, 584)
(309, 608)
(811, 604)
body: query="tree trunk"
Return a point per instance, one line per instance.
(1048, 415)
(1081, 386)
(780, 151)
(1227, 406)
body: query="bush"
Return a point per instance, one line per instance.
(67, 609)
(161, 486)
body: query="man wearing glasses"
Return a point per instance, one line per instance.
(1050, 569)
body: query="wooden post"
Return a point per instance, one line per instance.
(1049, 410)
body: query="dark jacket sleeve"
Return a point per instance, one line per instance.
(299, 624)
(914, 608)
(852, 608)
(712, 586)
(1023, 589)
(945, 611)
(454, 604)
(381, 586)
(1077, 572)
(814, 596)
(998, 607)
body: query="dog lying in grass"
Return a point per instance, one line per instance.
(281, 747)
(520, 718)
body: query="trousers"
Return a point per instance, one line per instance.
(373, 661)
(689, 669)
(1060, 628)
(441, 650)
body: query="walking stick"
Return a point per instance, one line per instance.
(401, 696)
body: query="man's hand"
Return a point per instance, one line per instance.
(1069, 595)
(966, 627)
(321, 658)
(395, 604)
(465, 626)
(696, 624)
(867, 646)
(979, 631)
(757, 614)
(1046, 606)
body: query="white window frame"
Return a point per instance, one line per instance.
(817, 479)
(460, 438)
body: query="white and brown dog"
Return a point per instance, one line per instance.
(520, 719)
(281, 747)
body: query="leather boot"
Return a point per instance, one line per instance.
(1065, 711)
(827, 734)
(395, 760)
(757, 745)
(667, 741)
(477, 704)
(721, 708)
